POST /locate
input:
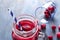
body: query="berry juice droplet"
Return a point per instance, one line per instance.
(27, 25)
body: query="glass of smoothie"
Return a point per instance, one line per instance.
(26, 28)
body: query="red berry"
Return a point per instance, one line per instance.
(51, 9)
(47, 16)
(58, 35)
(53, 27)
(46, 12)
(50, 37)
(43, 26)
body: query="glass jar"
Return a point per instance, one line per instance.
(26, 28)
(45, 12)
